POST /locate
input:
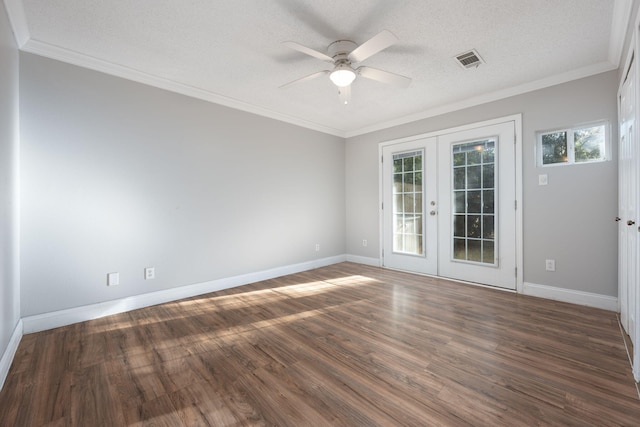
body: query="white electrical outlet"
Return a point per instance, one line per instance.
(364, 242)
(113, 279)
(149, 273)
(317, 247)
(543, 179)
(550, 264)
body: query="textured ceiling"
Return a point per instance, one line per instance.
(231, 52)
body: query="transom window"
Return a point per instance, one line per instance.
(582, 144)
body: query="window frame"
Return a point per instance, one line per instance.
(570, 131)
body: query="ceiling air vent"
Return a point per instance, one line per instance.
(469, 59)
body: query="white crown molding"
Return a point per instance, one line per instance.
(42, 322)
(17, 17)
(10, 352)
(18, 20)
(604, 302)
(71, 57)
(81, 60)
(601, 67)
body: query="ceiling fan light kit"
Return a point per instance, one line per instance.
(343, 75)
(342, 54)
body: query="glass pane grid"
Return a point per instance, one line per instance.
(473, 172)
(407, 203)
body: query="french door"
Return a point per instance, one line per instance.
(409, 206)
(449, 205)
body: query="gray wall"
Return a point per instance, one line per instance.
(118, 176)
(569, 220)
(9, 233)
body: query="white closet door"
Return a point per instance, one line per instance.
(627, 210)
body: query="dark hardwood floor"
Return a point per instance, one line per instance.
(345, 345)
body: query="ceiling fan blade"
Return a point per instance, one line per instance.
(308, 51)
(305, 78)
(380, 41)
(345, 94)
(384, 76)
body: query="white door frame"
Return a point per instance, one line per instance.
(517, 121)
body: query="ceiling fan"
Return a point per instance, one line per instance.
(343, 54)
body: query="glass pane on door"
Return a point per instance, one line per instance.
(473, 202)
(408, 223)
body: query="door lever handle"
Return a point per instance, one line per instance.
(630, 222)
(617, 219)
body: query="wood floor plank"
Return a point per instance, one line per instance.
(158, 412)
(367, 386)
(197, 405)
(348, 407)
(17, 392)
(344, 345)
(92, 399)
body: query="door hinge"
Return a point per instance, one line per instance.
(516, 272)
(381, 159)
(382, 205)
(515, 204)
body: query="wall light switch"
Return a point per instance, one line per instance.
(149, 273)
(113, 279)
(543, 179)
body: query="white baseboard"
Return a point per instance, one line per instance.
(374, 262)
(41, 322)
(604, 302)
(10, 352)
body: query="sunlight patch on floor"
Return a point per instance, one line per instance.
(244, 300)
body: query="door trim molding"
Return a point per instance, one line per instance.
(517, 121)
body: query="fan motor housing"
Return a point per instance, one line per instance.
(341, 49)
